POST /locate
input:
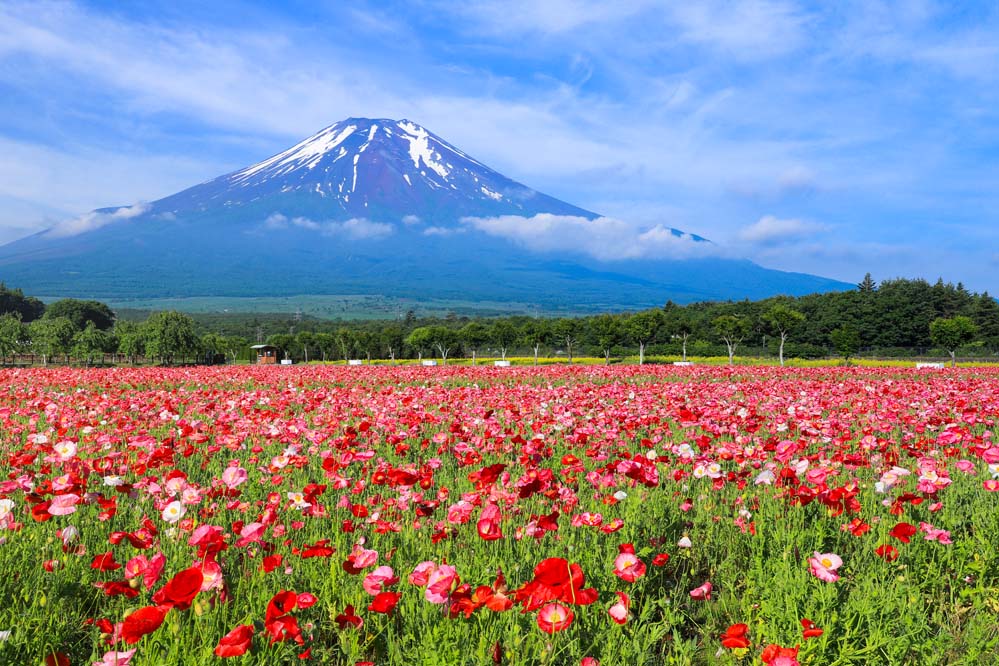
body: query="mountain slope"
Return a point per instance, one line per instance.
(373, 207)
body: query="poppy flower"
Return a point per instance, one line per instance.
(348, 619)
(381, 577)
(104, 562)
(619, 611)
(809, 629)
(775, 655)
(903, 532)
(823, 566)
(735, 637)
(627, 566)
(554, 617)
(141, 622)
(236, 642)
(887, 552)
(384, 602)
(280, 604)
(702, 591)
(180, 590)
(555, 580)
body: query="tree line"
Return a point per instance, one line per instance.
(898, 317)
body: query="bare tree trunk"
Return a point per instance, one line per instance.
(536, 348)
(641, 353)
(783, 337)
(473, 358)
(685, 336)
(953, 358)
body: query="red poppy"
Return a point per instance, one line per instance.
(236, 642)
(143, 621)
(384, 602)
(735, 637)
(280, 604)
(903, 532)
(271, 562)
(887, 552)
(809, 630)
(772, 652)
(555, 580)
(180, 590)
(105, 562)
(348, 619)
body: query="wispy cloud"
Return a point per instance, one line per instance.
(353, 229)
(95, 220)
(770, 230)
(604, 238)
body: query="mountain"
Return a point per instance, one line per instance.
(380, 207)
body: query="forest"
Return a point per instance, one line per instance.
(896, 318)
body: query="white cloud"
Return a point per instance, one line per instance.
(770, 230)
(411, 220)
(279, 221)
(745, 29)
(603, 238)
(95, 220)
(356, 228)
(442, 231)
(359, 228)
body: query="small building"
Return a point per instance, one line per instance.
(266, 354)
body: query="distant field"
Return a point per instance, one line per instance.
(332, 306)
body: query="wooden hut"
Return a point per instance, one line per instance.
(266, 354)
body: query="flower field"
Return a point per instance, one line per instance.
(558, 515)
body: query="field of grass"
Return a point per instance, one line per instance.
(617, 515)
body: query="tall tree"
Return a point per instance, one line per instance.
(51, 336)
(867, 285)
(953, 333)
(81, 313)
(732, 329)
(782, 319)
(536, 332)
(645, 328)
(473, 335)
(131, 339)
(170, 336)
(846, 340)
(607, 331)
(679, 325)
(90, 342)
(503, 333)
(566, 331)
(14, 301)
(13, 334)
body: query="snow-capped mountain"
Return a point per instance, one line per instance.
(378, 207)
(382, 170)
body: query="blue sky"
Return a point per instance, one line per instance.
(830, 138)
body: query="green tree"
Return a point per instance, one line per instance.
(473, 335)
(283, 341)
(92, 341)
(81, 313)
(846, 340)
(212, 344)
(14, 301)
(503, 333)
(645, 328)
(305, 340)
(566, 332)
(13, 335)
(392, 340)
(679, 325)
(731, 329)
(952, 333)
(131, 339)
(867, 285)
(444, 339)
(170, 336)
(51, 336)
(420, 339)
(233, 346)
(781, 320)
(536, 332)
(607, 330)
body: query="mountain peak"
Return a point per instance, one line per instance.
(373, 167)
